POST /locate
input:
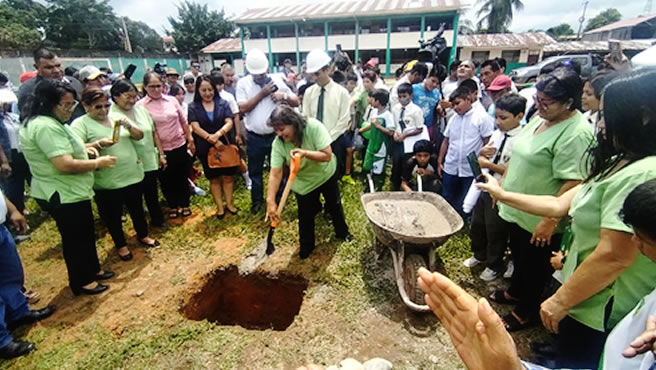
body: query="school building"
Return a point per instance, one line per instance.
(385, 29)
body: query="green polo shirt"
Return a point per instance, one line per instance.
(597, 206)
(128, 169)
(146, 149)
(43, 138)
(312, 174)
(540, 164)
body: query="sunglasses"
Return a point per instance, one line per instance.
(102, 106)
(196, 66)
(69, 106)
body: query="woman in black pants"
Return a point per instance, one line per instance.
(149, 149)
(121, 184)
(176, 141)
(63, 179)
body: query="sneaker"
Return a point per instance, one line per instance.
(249, 184)
(471, 262)
(509, 270)
(199, 191)
(21, 238)
(348, 179)
(488, 274)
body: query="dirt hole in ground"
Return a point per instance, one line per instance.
(254, 301)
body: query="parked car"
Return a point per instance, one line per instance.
(528, 74)
(646, 58)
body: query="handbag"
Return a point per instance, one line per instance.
(227, 156)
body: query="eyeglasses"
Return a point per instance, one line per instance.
(544, 103)
(101, 106)
(69, 106)
(196, 66)
(153, 86)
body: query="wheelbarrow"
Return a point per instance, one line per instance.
(412, 225)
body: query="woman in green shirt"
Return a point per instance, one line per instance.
(604, 273)
(149, 149)
(62, 180)
(309, 139)
(121, 184)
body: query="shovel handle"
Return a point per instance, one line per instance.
(295, 165)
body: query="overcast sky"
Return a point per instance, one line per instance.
(539, 14)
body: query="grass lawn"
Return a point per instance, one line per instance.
(351, 307)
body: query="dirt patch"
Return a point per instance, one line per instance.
(254, 301)
(409, 217)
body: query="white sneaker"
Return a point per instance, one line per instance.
(249, 183)
(509, 270)
(471, 262)
(488, 274)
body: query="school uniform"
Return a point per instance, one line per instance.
(406, 118)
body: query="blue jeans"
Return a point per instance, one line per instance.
(259, 146)
(13, 304)
(454, 190)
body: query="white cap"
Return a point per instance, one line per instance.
(257, 62)
(88, 73)
(316, 60)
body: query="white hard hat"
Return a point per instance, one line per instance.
(257, 62)
(316, 60)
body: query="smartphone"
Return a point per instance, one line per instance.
(472, 158)
(615, 50)
(338, 47)
(129, 71)
(268, 81)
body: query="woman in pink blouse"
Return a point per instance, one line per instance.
(175, 136)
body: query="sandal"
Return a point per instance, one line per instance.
(513, 324)
(498, 296)
(220, 216)
(173, 213)
(154, 244)
(125, 257)
(186, 212)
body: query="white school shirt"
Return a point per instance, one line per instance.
(496, 140)
(3, 208)
(336, 107)
(394, 93)
(234, 107)
(256, 119)
(413, 118)
(466, 133)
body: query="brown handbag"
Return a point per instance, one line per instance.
(227, 156)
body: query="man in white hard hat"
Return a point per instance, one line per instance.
(329, 103)
(258, 94)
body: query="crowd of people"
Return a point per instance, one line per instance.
(557, 161)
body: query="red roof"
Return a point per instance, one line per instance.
(229, 45)
(346, 9)
(622, 24)
(517, 40)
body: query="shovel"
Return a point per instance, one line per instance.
(295, 165)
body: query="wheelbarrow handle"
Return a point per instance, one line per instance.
(370, 181)
(420, 183)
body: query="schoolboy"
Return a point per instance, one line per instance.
(409, 122)
(488, 234)
(426, 95)
(381, 130)
(423, 163)
(467, 131)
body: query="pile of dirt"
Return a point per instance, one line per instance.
(409, 217)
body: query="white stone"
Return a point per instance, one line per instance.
(378, 364)
(350, 364)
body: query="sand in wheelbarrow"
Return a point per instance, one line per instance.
(409, 217)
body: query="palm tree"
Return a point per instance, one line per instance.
(466, 27)
(497, 14)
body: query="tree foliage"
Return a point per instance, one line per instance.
(142, 37)
(196, 26)
(21, 21)
(83, 24)
(608, 16)
(497, 15)
(562, 29)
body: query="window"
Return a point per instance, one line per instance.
(311, 29)
(285, 30)
(377, 26)
(406, 25)
(342, 28)
(256, 32)
(480, 56)
(511, 56)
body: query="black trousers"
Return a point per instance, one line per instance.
(579, 346)
(174, 178)
(309, 205)
(14, 185)
(397, 155)
(110, 207)
(532, 270)
(75, 224)
(339, 148)
(488, 233)
(149, 186)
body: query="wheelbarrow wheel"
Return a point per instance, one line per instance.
(411, 267)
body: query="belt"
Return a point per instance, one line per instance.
(266, 136)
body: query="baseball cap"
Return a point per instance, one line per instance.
(499, 83)
(26, 76)
(88, 73)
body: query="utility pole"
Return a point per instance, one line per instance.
(582, 19)
(128, 44)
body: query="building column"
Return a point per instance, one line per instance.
(423, 26)
(243, 49)
(357, 40)
(325, 35)
(388, 52)
(270, 51)
(298, 53)
(454, 46)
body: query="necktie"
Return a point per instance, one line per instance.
(497, 158)
(320, 105)
(401, 119)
